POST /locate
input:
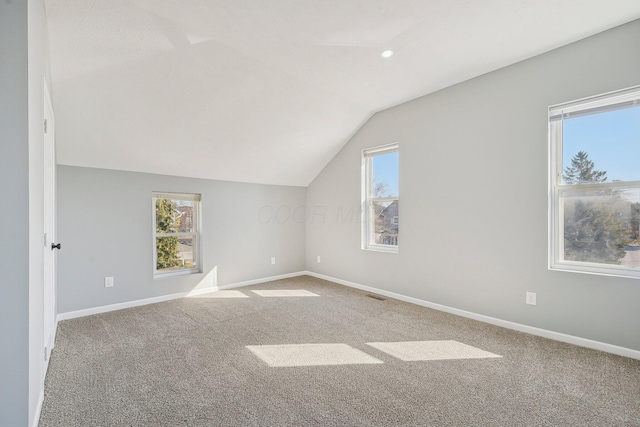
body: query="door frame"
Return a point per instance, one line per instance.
(49, 225)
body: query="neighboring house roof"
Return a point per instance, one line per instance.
(391, 210)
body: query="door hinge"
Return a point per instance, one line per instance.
(45, 354)
(45, 240)
(45, 125)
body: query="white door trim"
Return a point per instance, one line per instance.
(49, 202)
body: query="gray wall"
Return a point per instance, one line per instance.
(14, 211)
(473, 197)
(105, 228)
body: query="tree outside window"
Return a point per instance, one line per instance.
(596, 228)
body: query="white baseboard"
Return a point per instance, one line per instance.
(169, 297)
(583, 342)
(129, 304)
(50, 345)
(36, 417)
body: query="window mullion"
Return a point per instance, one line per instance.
(383, 199)
(563, 188)
(176, 234)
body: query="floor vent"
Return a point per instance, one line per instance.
(378, 297)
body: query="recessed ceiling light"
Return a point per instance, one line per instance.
(387, 53)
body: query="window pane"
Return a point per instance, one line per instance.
(385, 222)
(601, 147)
(175, 253)
(173, 216)
(602, 226)
(385, 175)
(185, 211)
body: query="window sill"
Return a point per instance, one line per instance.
(176, 273)
(587, 268)
(387, 249)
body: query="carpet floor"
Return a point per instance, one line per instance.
(328, 356)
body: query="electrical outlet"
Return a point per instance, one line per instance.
(530, 298)
(108, 282)
(318, 259)
(273, 260)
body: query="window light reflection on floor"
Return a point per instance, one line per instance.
(290, 355)
(410, 351)
(285, 293)
(221, 294)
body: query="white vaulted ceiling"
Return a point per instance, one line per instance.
(268, 91)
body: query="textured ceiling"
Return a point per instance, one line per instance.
(268, 91)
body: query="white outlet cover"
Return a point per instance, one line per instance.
(530, 298)
(108, 282)
(273, 260)
(318, 258)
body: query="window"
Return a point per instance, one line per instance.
(176, 234)
(595, 185)
(380, 198)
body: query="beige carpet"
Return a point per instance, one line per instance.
(336, 358)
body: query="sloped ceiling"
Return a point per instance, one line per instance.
(268, 91)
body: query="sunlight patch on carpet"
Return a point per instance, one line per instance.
(285, 293)
(222, 294)
(290, 355)
(410, 351)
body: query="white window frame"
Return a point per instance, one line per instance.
(592, 105)
(368, 222)
(197, 199)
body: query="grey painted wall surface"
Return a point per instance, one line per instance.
(14, 214)
(473, 197)
(105, 227)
